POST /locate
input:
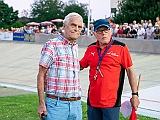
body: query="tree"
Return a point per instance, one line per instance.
(7, 15)
(46, 10)
(17, 24)
(79, 8)
(129, 10)
(25, 13)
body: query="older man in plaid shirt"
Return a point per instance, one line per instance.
(58, 74)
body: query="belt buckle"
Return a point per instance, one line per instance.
(67, 99)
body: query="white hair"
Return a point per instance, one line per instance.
(70, 16)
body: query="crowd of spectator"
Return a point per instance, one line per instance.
(48, 29)
(143, 30)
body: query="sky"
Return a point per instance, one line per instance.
(99, 8)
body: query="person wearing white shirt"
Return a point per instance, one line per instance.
(135, 26)
(140, 32)
(149, 31)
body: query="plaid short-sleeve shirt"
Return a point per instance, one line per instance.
(61, 59)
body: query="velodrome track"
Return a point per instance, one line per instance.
(19, 67)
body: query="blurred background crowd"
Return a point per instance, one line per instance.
(145, 29)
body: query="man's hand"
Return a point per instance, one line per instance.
(135, 102)
(42, 110)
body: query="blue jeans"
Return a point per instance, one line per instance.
(63, 110)
(103, 113)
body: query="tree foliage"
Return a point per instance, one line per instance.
(46, 10)
(79, 8)
(17, 24)
(41, 10)
(7, 15)
(129, 10)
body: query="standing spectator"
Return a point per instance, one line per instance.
(156, 32)
(150, 22)
(107, 59)
(130, 25)
(145, 24)
(91, 29)
(84, 30)
(135, 26)
(149, 32)
(157, 21)
(114, 30)
(58, 74)
(140, 32)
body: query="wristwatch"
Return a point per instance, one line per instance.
(136, 93)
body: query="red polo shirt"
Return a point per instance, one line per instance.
(106, 91)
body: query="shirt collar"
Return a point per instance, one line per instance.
(61, 37)
(97, 43)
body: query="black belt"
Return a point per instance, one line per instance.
(62, 98)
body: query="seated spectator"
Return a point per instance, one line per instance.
(60, 30)
(120, 31)
(48, 29)
(140, 32)
(149, 32)
(132, 33)
(54, 29)
(30, 30)
(126, 31)
(6, 30)
(37, 30)
(42, 30)
(13, 29)
(156, 32)
(25, 28)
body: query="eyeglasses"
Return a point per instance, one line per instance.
(101, 31)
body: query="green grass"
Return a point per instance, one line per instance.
(24, 107)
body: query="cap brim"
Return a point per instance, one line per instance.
(102, 25)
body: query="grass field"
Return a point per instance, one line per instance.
(24, 107)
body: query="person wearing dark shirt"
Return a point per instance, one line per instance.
(156, 32)
(125, 31)
(132, 33)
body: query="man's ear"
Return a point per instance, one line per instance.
(64, 25)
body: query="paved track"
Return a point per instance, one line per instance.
(19, 67)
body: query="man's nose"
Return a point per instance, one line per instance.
(76, 28)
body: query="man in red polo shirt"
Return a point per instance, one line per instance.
(108, 59)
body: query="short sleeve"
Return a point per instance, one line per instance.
(126, 57)
(84, 61)
(46, 59)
